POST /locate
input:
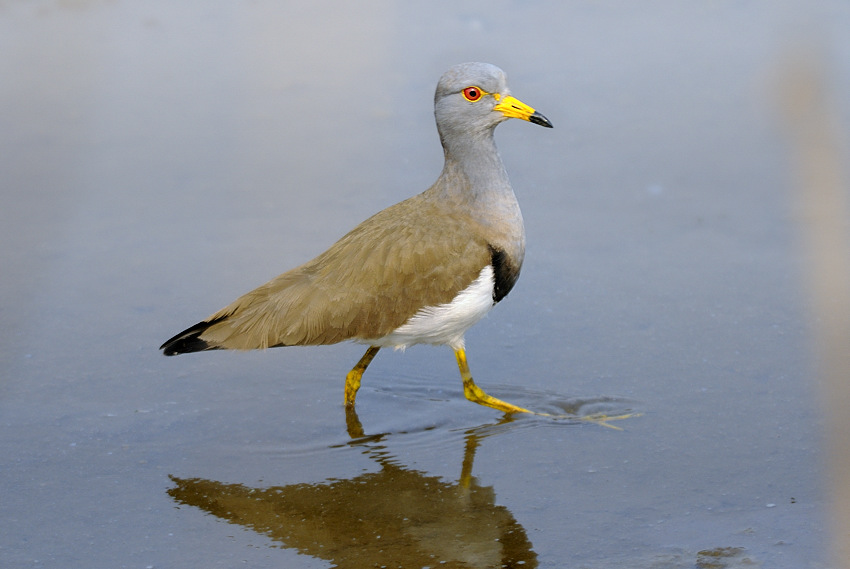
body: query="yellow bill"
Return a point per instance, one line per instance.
(513, 108)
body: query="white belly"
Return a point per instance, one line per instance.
(445, 324)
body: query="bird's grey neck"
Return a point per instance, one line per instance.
(473, 171)
(474, 181)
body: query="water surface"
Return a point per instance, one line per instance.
(160, 159)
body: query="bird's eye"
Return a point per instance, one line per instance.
(472, 94)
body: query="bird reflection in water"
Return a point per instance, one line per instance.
(396, 517)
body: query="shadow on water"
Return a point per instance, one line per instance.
(396, 517)
(402, 517)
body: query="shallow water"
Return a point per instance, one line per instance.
(160, 159)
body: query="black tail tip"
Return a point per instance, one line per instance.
(188, 341)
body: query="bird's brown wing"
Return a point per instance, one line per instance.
(410, 255)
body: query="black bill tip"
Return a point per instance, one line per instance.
(537, 118)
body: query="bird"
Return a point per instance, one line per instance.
(422, 271)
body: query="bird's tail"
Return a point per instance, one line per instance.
(189, 340)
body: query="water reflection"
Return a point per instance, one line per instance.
(396, 517)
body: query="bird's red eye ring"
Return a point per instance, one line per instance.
(472, 94)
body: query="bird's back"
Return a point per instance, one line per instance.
(370, 282)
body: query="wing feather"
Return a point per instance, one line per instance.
(413, 254)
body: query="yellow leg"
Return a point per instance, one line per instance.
(352, 380)
(476, 394)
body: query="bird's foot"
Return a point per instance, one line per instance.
(477, 395)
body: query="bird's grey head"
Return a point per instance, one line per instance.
(472, 98)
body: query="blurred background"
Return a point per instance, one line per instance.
(158, 159)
